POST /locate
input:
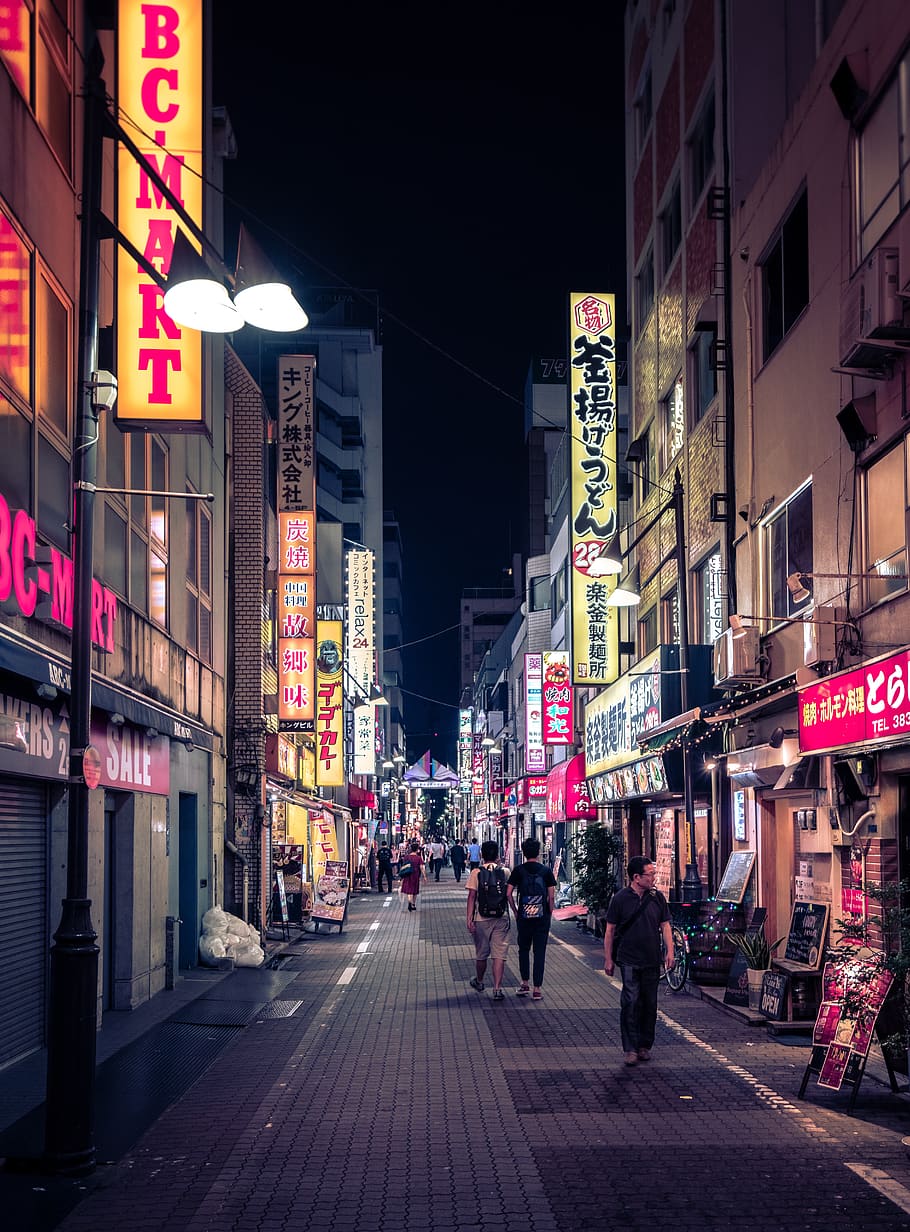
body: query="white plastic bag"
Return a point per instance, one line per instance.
(211, 948)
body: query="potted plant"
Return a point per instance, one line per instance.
(757, 952)
(596, 858)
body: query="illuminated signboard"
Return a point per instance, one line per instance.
(296, 489)
(159, 94)
(360, 630)
(557, 698)
(465, 741)
(593, 426)
(639, 701)
(329, 705)
(364, 739)
(296, 587)
(535, 758)
(863, 705)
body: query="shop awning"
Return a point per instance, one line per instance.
(567, 792)
(359, 797)
(670, 732)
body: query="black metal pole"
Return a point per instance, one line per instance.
(691, 886)
(73, 991)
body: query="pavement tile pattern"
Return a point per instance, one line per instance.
(394, 1097)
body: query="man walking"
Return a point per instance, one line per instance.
(437, 855)
(384, 865)
(636, 918)
(488, 917)
(474, 854)
(536, 889)
(458, 856)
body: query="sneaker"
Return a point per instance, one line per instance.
(522, 990)
(631, 1058)
(476, 984)
(644, 1054)
(537, 995)
(498, 994)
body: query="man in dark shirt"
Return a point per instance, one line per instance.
(636, 918)
(536, 887)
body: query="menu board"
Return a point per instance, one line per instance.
(664, 842)
(736, 877)
(774, 995)
(854, 994)
(806, 939)
(330, 901)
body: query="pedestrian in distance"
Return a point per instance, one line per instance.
(458, 857)
(636, 918)
(535, 888)
(410, 882)
(488, 917)
(474, 854)
(384, 865)
(437, 855)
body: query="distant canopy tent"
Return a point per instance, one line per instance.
(430, 775)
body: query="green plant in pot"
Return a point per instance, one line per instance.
(596, 865)
(754, 948)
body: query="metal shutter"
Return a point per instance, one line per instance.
(23, 917)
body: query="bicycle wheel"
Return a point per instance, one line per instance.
(676, 974)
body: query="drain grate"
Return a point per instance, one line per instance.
(210, 1012)
(278, 1009)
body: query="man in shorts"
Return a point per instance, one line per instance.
(490, 933)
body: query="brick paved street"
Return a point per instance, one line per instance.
(516, 1115)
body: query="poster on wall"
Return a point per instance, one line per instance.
(330, 899)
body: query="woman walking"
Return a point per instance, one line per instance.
(410, 883)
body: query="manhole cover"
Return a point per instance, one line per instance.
(278, 1009)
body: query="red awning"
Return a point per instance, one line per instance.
(567, 792)
(359, 797)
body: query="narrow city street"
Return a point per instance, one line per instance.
(372, 1088)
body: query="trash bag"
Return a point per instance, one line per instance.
(215, 921)
(211, 948)
(227, 936)
(249, 956)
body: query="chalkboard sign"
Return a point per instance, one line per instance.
(806, 939)
(737, 990)
(736, 877)
(773, 1002)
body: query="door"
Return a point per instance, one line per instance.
(187, 824)
(109, 927)
(23, 917)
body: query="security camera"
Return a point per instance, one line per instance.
(744, 253)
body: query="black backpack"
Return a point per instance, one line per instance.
(532, 896)
(492, 900)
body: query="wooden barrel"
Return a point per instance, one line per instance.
(710, 953)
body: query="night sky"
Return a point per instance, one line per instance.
(472, 174)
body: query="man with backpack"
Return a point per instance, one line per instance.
(384, 864)
(488, 917)
(536, 888)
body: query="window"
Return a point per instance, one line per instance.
(701, 151)
(785, 277)
(702, 366)
(560, 586)
(673, 423)
(538, 594)
(643, 104)
(644, 289)
(885, 507)
(199, 623)
(884, 161)
(44, 26)
(641, 455)
(671, 228)
(647, 632)
(710, 591)
(788, 542)
(145, 519)
(15, 310)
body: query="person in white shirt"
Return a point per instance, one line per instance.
(437, 855)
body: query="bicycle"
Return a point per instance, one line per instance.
(678, 972)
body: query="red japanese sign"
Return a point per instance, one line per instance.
(863, 705)
(557, 698)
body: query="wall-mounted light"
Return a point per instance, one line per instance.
(152, 733)
(47, 692)
(117, 719)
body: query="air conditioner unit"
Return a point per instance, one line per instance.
(872, 312)
(736, 659)
(819, 639)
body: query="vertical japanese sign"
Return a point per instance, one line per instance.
(465, 737)
(360, 646)
(329, 705)
(535, 759)
(593, 425)
(323, 841)
(364, 739)
(159, 87)
(557, 698)
(477, 764)
(296, 489)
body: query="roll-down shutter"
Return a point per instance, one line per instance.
(23, 917)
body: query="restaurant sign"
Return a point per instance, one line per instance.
(864, 705)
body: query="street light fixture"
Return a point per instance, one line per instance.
(625, 596)
(73, 976)
(740, 630)
(800, 592)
